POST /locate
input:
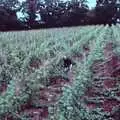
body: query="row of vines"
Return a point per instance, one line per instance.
(35, 86)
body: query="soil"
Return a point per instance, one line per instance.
(105, 85)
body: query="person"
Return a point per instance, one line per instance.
(67, 64)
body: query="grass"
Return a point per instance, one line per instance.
(33, 81)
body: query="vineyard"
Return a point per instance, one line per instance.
(35, 85)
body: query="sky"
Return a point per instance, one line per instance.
(91, 3)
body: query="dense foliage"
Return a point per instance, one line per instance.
(39, 14)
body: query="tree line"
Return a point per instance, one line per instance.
(35, 14)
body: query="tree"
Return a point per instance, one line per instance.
(57, 13)
(10, 4)
(31, 11)
(105, 11)
(8, 19)
(78, 11)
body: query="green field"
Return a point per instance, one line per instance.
(35, 86)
